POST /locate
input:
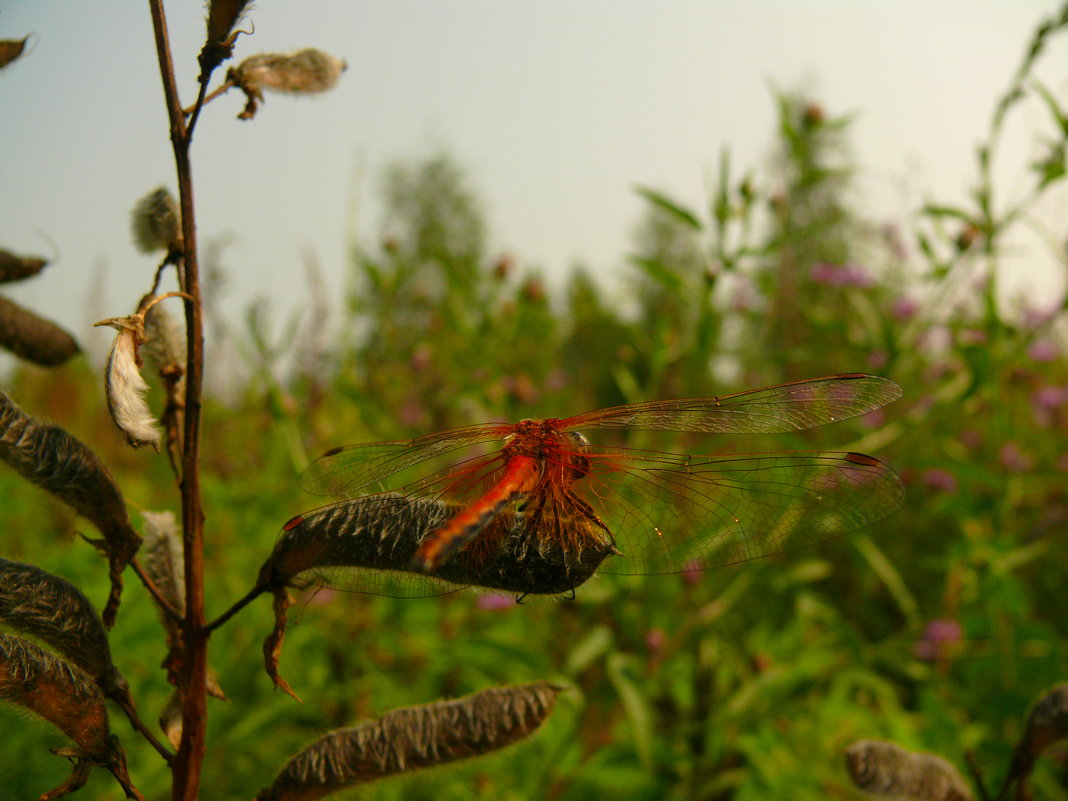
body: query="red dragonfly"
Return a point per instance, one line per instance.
(547, 496)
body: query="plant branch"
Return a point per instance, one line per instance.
(192, 678)
(160, 599)
(237, 606)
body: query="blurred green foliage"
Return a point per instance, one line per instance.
(935, 628)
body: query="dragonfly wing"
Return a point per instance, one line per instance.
(694, 512)
(772, 410)
(345, 470)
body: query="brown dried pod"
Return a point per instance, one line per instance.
(10, 49)
(56, 690)
(223, 17)
(51, 458)
(33, 338)
(1047, 723)
(413, 738)
(367, 545)
(15, 268)
(885, 770)
(308, 71)
(164, 564)
(51, 609)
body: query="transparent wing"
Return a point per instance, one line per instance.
(345, 470)
(787, 407)
(670, 513)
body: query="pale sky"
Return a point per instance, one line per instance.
(556, 108)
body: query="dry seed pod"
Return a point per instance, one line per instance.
(413, 738)
(885, 770)
(10, 49)
(223, 17)
(57, 691)
(15, 268)
(165, 565)
(35, 602)
(1047, 723)
(33, 338)
(154, 222)
(125, 388)
(367, 545)
(49, 457)
(308, 71)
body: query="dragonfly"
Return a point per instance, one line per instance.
(544, 505)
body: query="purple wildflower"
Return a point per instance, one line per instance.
(1043, 350)
(495, 601)
(1013, 459)
(939, 639)
(940, 479)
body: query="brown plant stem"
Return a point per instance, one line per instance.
(237, 606)
(192, 678)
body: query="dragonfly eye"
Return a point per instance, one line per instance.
(579, 463)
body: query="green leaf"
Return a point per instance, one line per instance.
(664, 203)
(635, 705)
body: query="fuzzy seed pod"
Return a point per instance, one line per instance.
(125, 387)
(15, 268)
(1047, 723)
(367, 545)
(49, 457)
(412, 738)
(163, 560)
(164, 340)
(59, 692)
(155, 223)
(308, 71)
(44, 606)
(33, 338)
(885, 770)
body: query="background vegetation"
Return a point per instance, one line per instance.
(936, 628)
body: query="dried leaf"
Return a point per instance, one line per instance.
(885, 770)
(10, 49)
(49, 457)
(272, 645)
(33, 338)
(412, 738)
(15, 268)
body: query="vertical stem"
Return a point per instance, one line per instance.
(192, 677)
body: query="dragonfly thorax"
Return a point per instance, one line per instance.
(559, 452)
